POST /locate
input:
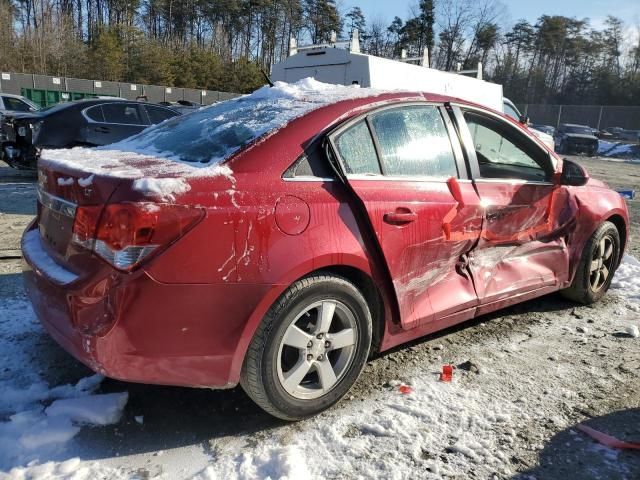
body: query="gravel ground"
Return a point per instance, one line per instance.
(547, 363)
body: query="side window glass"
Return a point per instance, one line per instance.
(15, 104)
(414, 142)
(500, 153)
(157, 115)
(121, 113)
(510, 112)
(357, 151)
(95, 113)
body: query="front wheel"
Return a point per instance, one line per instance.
(309, 349)
(600, 259)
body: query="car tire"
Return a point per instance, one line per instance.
(599, 261)
(296, 336)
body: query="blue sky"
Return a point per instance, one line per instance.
(596, 10)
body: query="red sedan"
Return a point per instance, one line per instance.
(278, 239)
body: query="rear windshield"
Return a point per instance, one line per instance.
(212, 134)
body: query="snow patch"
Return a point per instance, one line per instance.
(94, 410)
(618, 150)
(627, 279)
(33, 249)
(64, 182)
(85, 182)
(165, 188)
(32, 431)
(633, 331)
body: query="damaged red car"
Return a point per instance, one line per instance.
(276, 240)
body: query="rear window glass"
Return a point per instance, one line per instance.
(157, 115)
(212, 134)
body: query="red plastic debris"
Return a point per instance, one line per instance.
(405, 389)
(607, 440)
(447, 373)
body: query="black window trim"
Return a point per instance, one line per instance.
(161, 107)
(8, 97)
(469, 147)
(453, 138)
(85, 113)
(143, 115)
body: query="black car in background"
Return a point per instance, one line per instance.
(571, 138)
(91, 122)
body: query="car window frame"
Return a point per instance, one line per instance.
(470, 151)
(160, 107)
(4, 99)
(85, 114)
(456, 146)
(508, 106)
(141, 112)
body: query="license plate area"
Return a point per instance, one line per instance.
(55, 222)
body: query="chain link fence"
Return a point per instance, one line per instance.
(595, 116)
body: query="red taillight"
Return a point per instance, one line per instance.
(124, 234)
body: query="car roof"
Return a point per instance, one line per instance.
(301, 131)
(87, 102)
(574, 125)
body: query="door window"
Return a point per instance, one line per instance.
(414, 141)
(157, 114)
(95, 114)
(511, 112)
(123, 113)
(504, 153)
(357, 151)
(15, 104)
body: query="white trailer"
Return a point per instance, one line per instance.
(342, 63)
(333, 63)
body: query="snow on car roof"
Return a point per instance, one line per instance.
(209, 136)
(212, 134)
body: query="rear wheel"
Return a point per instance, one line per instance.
(597, 266)
(309, 349)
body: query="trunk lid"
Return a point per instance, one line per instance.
(81, 177)
(60, 192)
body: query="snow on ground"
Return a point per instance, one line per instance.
(618, 150)
(471, 427)
(38, 420)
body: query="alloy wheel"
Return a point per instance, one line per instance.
(601, 263)
(317, 349)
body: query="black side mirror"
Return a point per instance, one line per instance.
(573, 174)
(524, 120)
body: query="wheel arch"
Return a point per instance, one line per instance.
(621, 226)
(363, 280)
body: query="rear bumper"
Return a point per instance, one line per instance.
(142, 330)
